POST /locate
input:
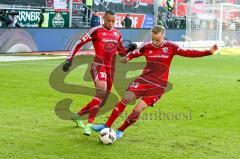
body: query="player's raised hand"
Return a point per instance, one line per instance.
(124, 59)
(67, 65)
(213, 48)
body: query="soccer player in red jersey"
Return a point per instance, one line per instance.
(151, 84)
(107, 42)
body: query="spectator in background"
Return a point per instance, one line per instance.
(183, 22)
(177, 23)
(164, 19)
(12, 19)
(170, 21)
(4, 21)
(44, 19)
(127, 22)
(95, 20)
(159, 20)
(41, 17)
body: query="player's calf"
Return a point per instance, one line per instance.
(131, 119)
(119, 108)
(134, 116)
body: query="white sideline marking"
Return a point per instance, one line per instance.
(27, 58)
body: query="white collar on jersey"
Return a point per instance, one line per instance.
(158, 46)
(107, 29)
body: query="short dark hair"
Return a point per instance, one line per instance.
(111, 12)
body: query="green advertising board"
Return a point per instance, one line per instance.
(30, 18)
(58, 19)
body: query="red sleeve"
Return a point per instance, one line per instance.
(122, 51)
(83, 40)
(190, 53)
(136, 53)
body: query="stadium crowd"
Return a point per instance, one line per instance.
(170, 21)
(8, 18)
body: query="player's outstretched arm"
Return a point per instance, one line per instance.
(195, 53)
(134, 54)
(82, 41)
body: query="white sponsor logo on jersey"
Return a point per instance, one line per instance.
(110, 40)
(165, 50)
(159, 56)
(115, 33)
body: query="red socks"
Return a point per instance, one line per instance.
(131, 119)
(92, 108)
(117, 111)
(85, 110)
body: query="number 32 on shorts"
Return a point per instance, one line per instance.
(103, 75)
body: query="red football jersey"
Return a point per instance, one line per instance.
(159, 59)
(106, 44)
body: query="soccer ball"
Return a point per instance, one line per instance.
(107, 136)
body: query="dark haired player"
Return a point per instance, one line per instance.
(107, 42)
(151, 84)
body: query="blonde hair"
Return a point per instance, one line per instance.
(158, 29)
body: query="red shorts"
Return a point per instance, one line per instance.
(149, 92)
(100, 72)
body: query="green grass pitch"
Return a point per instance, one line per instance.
(206, 91)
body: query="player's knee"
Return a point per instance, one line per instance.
(101, 94)
(129, 97)
(102, 88)
(101, 85)
(139, 110)
(127, 100)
